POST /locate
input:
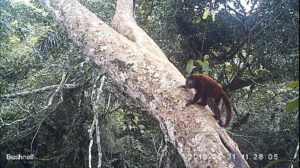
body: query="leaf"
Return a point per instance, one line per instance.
(199, 62)
(14, 39)
(293, 84)
(274, 162)
(205, 66)
(150, 18)
(205, 14)
(189, 66)
(292, 104)
(81, 65)
(213, 16)
(141, 127)
(136, 119)
(206, 57)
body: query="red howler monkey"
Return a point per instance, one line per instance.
(207, 88)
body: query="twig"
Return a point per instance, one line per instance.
(295, 156)
(235, 11)
(91, 130)
(163, 152)
(252, 7)
(242, 7)
(27, 111)
(241, 136)
(63, 80)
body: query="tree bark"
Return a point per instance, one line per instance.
(143, 73)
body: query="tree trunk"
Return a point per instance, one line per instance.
(143, 73)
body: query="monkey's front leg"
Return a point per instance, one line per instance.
(195, 99)
(183, 86)
(203, 99)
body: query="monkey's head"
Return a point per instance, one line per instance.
(190, 82)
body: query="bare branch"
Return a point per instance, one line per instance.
(41, 90)
(238, 83)
(95, 125)
(98, 142)
(25, 110)
(252, 7)
(242, 7)
(234, 10)
(13, 122)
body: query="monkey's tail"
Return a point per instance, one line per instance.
(228, 109)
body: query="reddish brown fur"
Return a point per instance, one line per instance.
(207, 88)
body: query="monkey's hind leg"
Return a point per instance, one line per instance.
(216, 109)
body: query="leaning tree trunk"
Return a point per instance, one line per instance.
(142, 72)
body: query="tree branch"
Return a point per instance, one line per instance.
(240, 83)
(124, 23)
(41, 90)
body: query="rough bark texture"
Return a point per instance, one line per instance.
(141, 71)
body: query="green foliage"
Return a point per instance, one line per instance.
(205, 14)
(293, 84)
(203, 64)
(271, 127)
(190, 66)
(274, 162)
(292, 104)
